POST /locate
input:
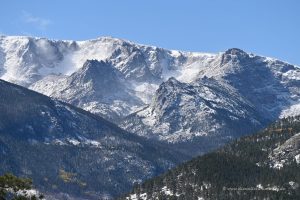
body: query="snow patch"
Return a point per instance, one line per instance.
(297, 158)
(293, 110)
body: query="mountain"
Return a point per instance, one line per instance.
(69, 152)
(180, 111)
(140, 69)
(265, 165)
(194, 101)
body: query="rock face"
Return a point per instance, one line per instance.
(180, 111)
(69, 152)
(173, 96)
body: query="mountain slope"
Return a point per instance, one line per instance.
(245, 169)
(70, 152)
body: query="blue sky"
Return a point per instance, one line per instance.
(266, 27)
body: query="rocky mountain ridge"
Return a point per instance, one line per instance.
(139, 87)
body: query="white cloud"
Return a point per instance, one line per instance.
(38, 22)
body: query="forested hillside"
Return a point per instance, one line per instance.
(260, 166)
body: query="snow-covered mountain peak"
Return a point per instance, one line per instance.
(25, 60)
(233, 56)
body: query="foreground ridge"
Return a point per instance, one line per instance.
(70, 153)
